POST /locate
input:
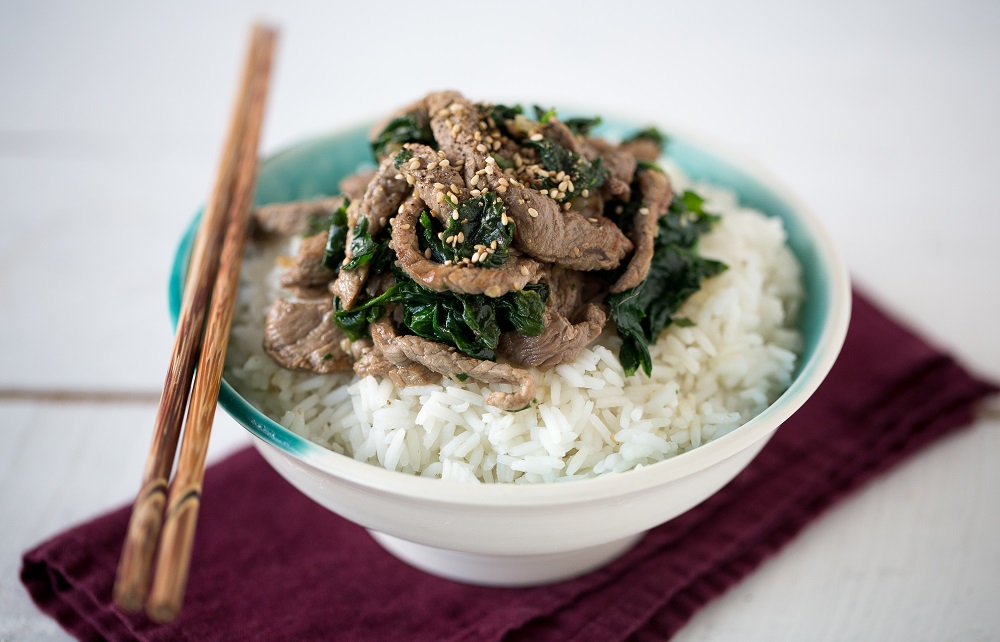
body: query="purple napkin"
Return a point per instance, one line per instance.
(270, 564)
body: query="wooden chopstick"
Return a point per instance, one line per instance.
(173, 557)
(228, 207)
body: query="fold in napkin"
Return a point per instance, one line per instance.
(270, 564)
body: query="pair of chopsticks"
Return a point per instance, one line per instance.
(156, 555)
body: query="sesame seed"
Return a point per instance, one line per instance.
(381, 221)
(489, 170)
(644, 211)
(569, 186)
(451, 237)
(481, 148)
(490, 160)
(504, 182)
(453, 188)
(566, 206)
(431, 165)
(410, 179)
(502, 189)
(503, 218)
(544, 192)
(438, 185)
(399, 210)
(535, 137)
(444, 163)
(592, 219)
(454, 215)
(475, 257)
(415, 163)
(404, 226)
(563, 186)
(440, 236)
(440, 153)
(476, 193)
(576, 252)
(477, 136)
(427, 253)
(619, 209)
(440, 197)
(496, 145)
(532, 212)
(399, 177)
(455, 129)
(525, 271)
(461, 237)
(474, 181)
(585, 193)
(447, 262)
(493, 244)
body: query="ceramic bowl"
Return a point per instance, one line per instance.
(517, 535)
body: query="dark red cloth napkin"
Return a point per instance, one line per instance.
(270, 564)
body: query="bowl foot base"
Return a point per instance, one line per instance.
(504, 570)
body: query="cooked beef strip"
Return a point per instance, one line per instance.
(294, 218)
(301, 335)
(307, 275)
(434, 178)
(619, 163)
(560, 342)
(455, 122)
(447, 361)
(643, 149)
(566, 238)
(355, 185)
(374, 364)
(382, 198)
(656, 195)
(513, 275)
(570, 324)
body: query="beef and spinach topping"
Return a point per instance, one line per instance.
(487, 243)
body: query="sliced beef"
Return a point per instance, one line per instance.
(349, 283)
(292, 218)
(382, 198)
(433, 177)
(570, 324)
(620, 164)
(445, 360)
(373, 364)
(513, 275)
(656, 195)
(301, 335)
(456, 122)
(355, 185)
(644, 149)
(566, 238)
(308, 275)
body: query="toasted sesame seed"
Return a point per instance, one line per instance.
(455, 129)
(381, 221)
(410, 179)
(619, 209)
(585, 193)
(576, 252)
(399, 210)
(444, 162)
(525, 271)
(475, 193)
(415, 163)
(490, 160)
(544, 192)
(504, 182)
(569, 186)
(532, 212)
(567, 206)
(644, 211)
(453, 188)
(474, 180)
(447, 261)
(431, 165)
(563, 186)
(454, 215)
(592, 219)
(489, 170)
(461, 237)
(404, 226)
(451, 237)
(493, 244)
(477, 136)
(438, 185)
(475, 257)
(496, 145)
(441, 153)
(503, 218)
(399, 177)
(502, 189)
(427, 253)
(481, 148)
(440, 197)
(535, 137)
(440, 236)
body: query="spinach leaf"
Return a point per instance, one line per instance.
(582, 126)
(402, 129)
(650, 133)
(522, 311)
(336, 238)
(543, 116)
(362, 247)
(479, 225)
(584, 174)
(472, 323)
(675, 273)
(401, 157)
(502, 113)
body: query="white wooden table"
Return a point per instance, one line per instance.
(884, 117)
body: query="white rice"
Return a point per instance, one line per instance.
(589, 419)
